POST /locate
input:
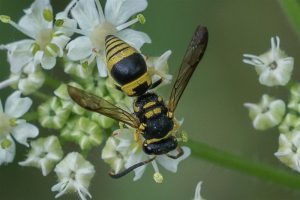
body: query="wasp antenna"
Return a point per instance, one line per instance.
(133, 167)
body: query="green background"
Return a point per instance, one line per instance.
(212, 105)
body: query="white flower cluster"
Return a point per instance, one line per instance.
(275, 69)
(74, 38)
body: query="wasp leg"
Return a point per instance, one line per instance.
(133, 167)
(118, 88)
(180, 153)
(156, 83)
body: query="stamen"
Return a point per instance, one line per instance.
(48, 15)
(13, 122)
(154, 164)
(70, 6)
(6, 19)
(100, 10)
(59, 23)
(184, 136)
(139, 18)
(158, 178)
(8, 82)
(5, 144)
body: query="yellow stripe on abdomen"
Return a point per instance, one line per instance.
(116, 50)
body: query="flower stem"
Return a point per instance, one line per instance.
(250, 167)
(292, 10)
(40, 95)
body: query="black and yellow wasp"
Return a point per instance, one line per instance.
(152, 117)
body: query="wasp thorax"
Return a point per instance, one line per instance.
(99, 33)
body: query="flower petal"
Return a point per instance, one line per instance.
(48, 62)
(118, 12)
(101, 66)
(134, 38)
(172, 164)
(33, 21)
(7, 155)
(18, 54)
(86, 14)
(79, 48)
(15, 106)
(61, 42)
(24, 131)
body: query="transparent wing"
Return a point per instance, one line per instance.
(100, 105)
(192, 57)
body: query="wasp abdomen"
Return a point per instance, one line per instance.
(126, 66)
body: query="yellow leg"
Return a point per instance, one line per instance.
(137, 137)
(176, 127)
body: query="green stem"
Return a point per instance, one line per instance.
(40, 95)
(292, 10)
(250, 167)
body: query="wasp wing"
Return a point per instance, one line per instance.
(192, 57)
(100, 105)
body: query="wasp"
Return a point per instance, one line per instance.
(152, 117)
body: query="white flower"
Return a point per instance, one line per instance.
(266, 114)
(289, 151)
(96, 25)
(44, 154)
(122, 151)
(45, 43)
(273, 67)
(28, 80)
(15, 107)
(197, 192)
(74, 174)
(158, 66)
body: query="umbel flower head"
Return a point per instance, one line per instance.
(46, 40)
(266, 114)
(122, 151)
(273, 67)
(14, 108)
(95, 25)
